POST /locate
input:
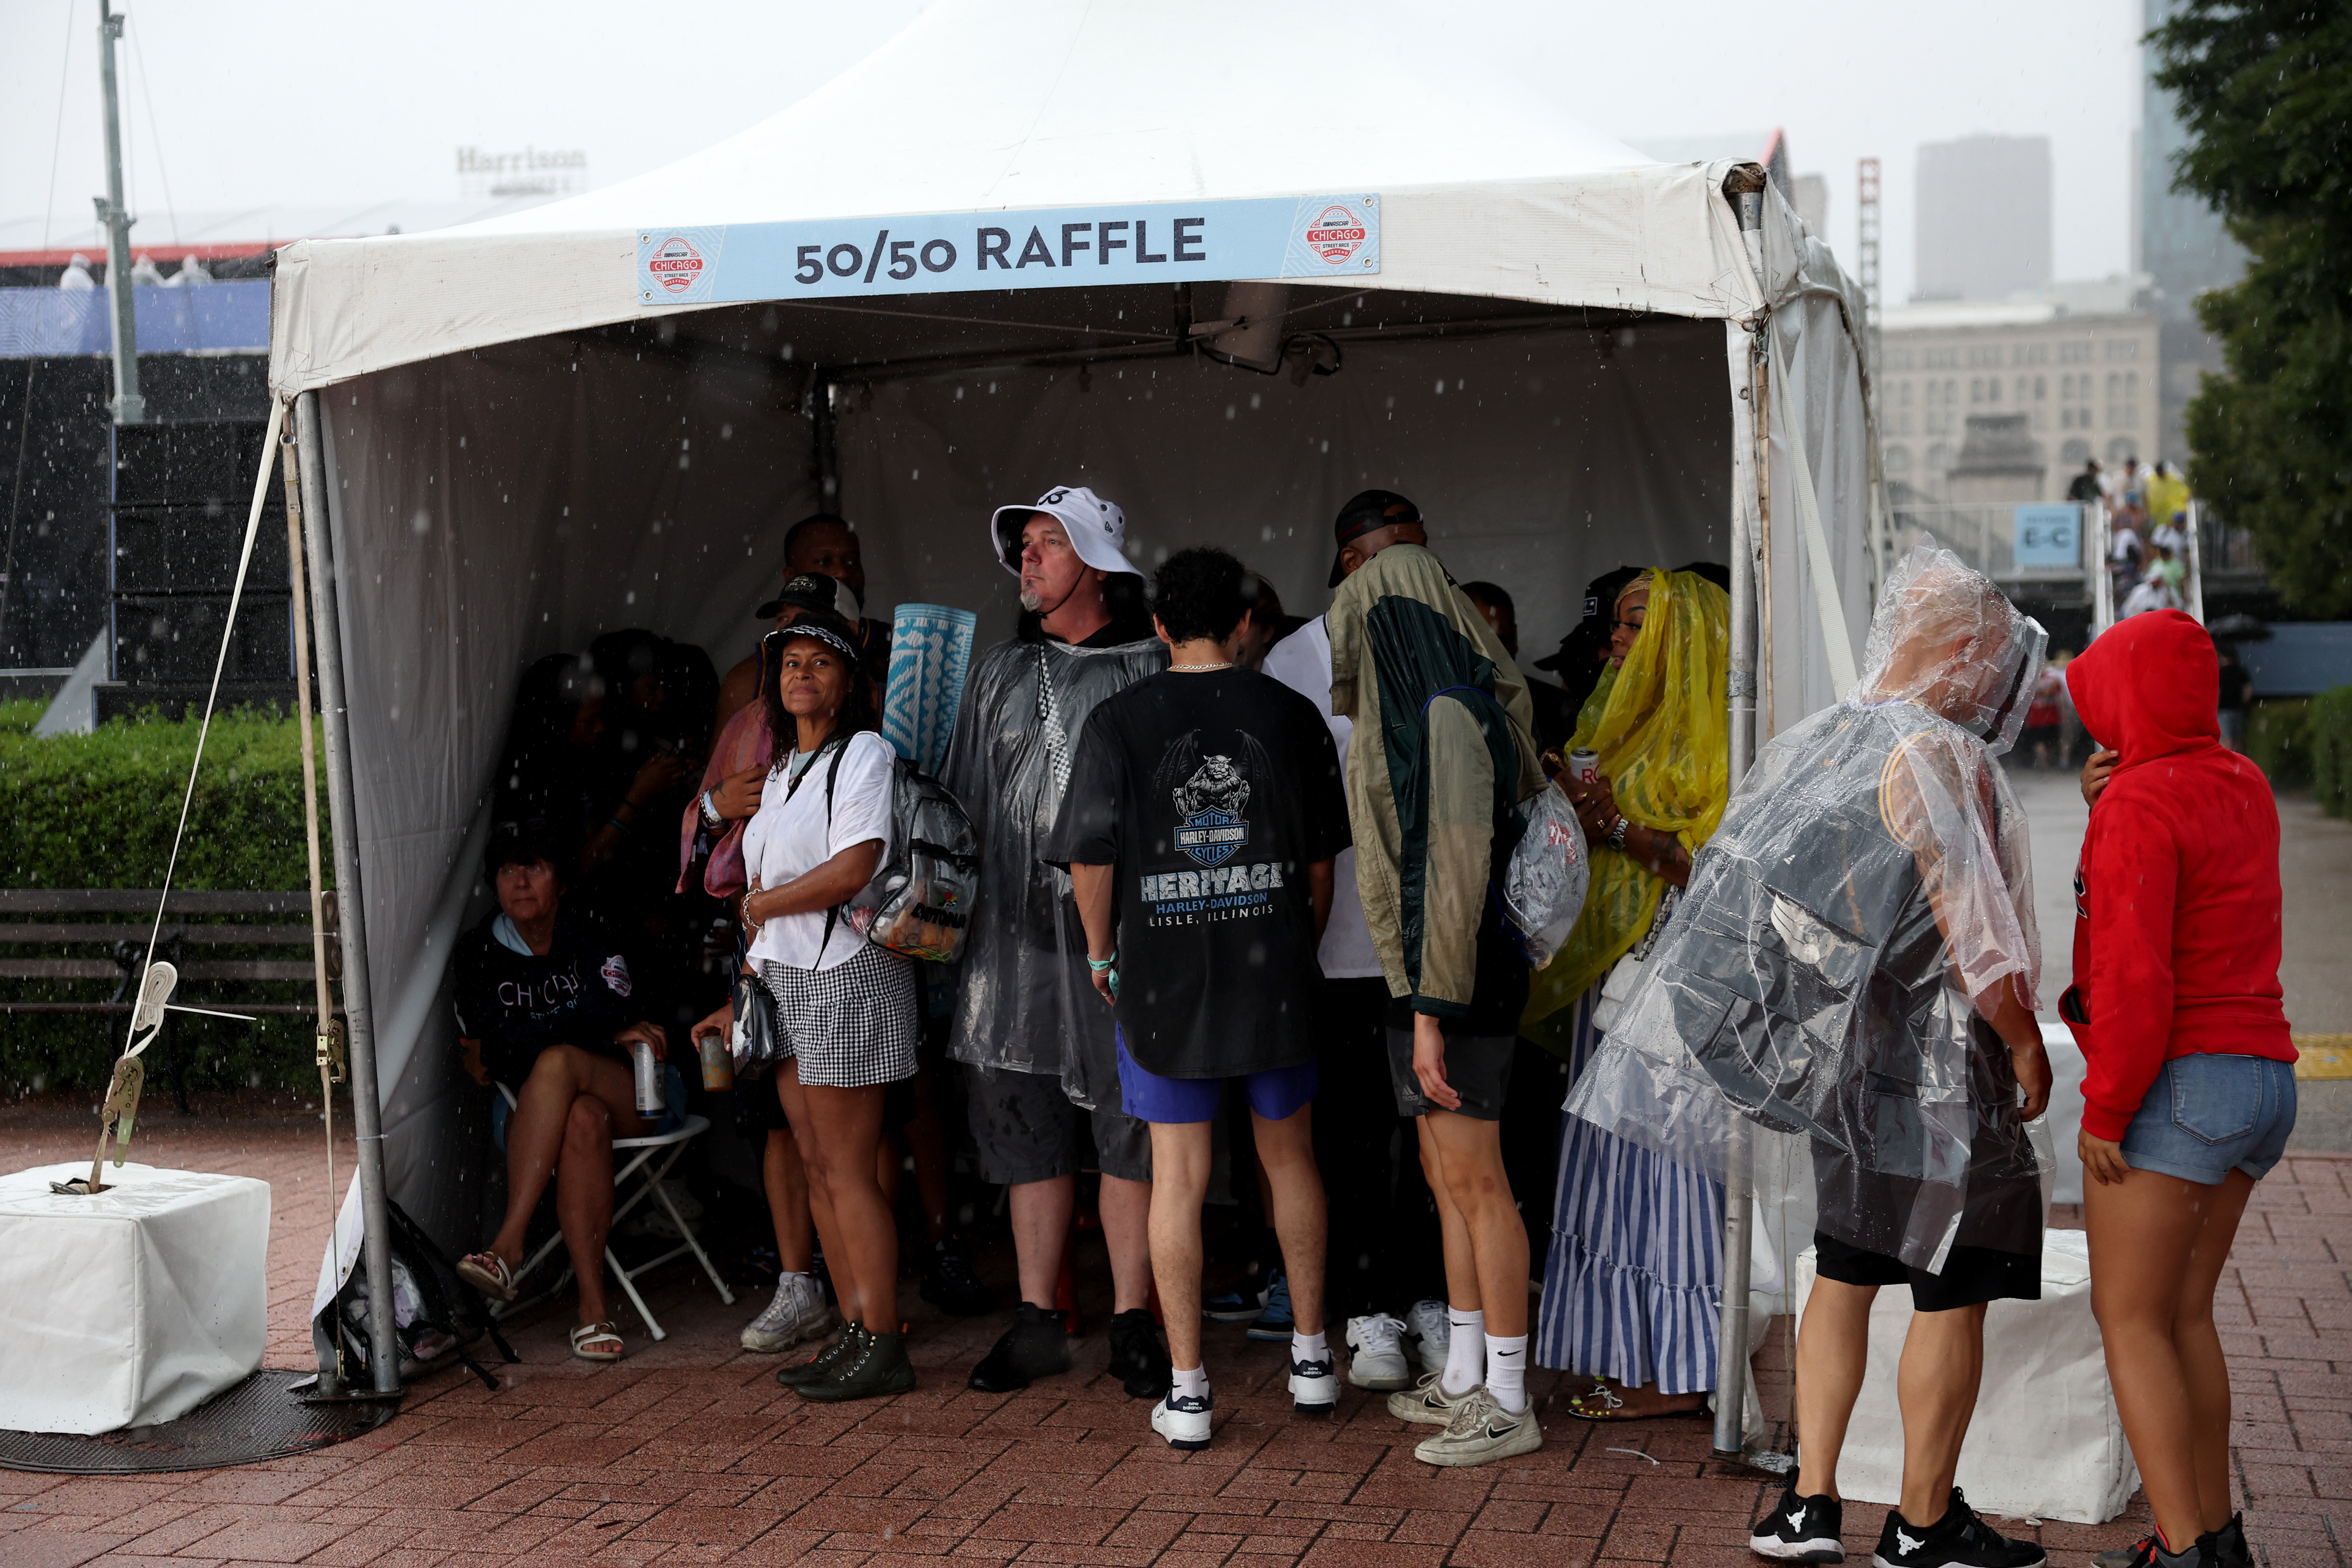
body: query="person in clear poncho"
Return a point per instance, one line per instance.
(1038, 1046)
(1855, 961)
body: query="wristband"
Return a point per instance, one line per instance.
(711, 817)
(1099, 964)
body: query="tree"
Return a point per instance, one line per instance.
(2265, 92)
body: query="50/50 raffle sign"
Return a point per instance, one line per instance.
(1047, 247)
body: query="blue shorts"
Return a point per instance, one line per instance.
(2206, 1116)
(1275, 1094)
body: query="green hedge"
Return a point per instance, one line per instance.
(2276, 740)
(2327, 731)
(100, 811)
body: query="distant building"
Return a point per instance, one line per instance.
(2077, 367)
(2180, 244)
(1984, 211)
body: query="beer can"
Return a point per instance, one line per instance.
(1584, 765)
(718, 1062)
(649, 1079)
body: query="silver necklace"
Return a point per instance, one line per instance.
(1227, 665)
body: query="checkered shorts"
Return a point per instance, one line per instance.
(853, 1024)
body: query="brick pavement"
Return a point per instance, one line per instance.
(687, 1452)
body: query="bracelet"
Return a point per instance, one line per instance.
(711, 817)
(1617, 833)
(1099, 964)
(616, 822)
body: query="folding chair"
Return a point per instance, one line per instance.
(649, 1182)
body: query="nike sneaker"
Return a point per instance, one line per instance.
(1481, 1432)
(1426, 1403)
(1376, 1352)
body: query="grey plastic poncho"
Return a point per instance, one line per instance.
(1025, 999)
(1869, 884)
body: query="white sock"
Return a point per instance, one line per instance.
(1193, 1385)
(1310, 1347)
(1506, 1372)
(1466, 1352)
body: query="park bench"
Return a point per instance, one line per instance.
(90, 924)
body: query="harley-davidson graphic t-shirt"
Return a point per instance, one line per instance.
(1211, 794)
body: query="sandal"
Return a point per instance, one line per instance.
(598, 1342)
(1603, 1403)
(489, 1273)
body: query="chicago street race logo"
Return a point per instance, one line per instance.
(675, 265)
(1336, 234)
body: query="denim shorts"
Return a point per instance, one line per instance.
(2206, 1116)
(1276, 1094)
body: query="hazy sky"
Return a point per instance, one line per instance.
(256, 103)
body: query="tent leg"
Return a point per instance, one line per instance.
(1731, 1330)
(367, 1109)
(1731, 1338)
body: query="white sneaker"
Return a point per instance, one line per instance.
(798, 1313)
(1482, 1431)
(1314, 1386)
(1433, 1332)
(1376, 1352)
(1426, 1403)
(1182, 1419)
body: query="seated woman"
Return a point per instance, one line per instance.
(543, 1008)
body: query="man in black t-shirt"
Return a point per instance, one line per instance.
(1204, 813)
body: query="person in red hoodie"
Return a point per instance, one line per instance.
(2190, 1095)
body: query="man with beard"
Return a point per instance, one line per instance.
(1039, 1047)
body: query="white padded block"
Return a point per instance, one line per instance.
(2046, 1442)
(132, 1307)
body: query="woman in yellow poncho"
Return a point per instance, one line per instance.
(1633, 1275)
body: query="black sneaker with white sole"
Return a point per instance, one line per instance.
(1958, 1540)
(1800, 1529)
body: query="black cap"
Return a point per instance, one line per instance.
(810, 591)
(1580, 646)
(1365, 511)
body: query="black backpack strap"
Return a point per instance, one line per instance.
(832, 772)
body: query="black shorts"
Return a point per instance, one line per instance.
(1025, 1129)
(1971, 1274)
(1477, 1067)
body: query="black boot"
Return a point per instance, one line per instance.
(879, 1367)
(1137, 1359)
(803, 1372)
(950, 1284)
(1037, 1345)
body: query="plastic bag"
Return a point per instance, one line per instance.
(1542, 890)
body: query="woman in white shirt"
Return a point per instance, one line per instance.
(845, 1010)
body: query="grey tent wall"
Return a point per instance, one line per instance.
(367, 1106)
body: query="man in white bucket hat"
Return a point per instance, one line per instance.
(1039, 1050)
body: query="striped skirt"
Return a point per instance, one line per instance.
(1632, 1283)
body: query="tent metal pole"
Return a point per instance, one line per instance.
(1745, 663)
(342, 815)
(825, 455)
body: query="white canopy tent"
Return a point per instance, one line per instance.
(1560, 356)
